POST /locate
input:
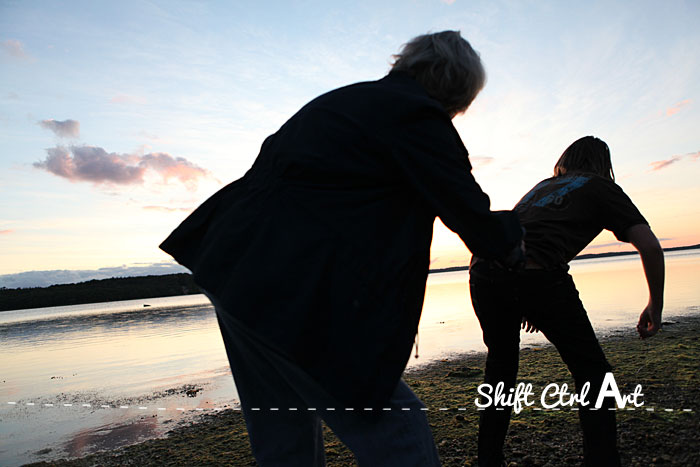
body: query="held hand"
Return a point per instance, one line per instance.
(515, 259)
(649, 321)
(527, 326)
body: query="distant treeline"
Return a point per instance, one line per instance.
(96, 291)
(586, 256)
(143, 287)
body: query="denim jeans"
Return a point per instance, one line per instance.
(283, 408)
(549, 301)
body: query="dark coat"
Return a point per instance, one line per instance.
(322, 249)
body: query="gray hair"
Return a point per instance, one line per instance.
(445, 64)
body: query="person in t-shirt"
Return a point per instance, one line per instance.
(560, 216)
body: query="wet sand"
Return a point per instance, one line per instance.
(666, 366)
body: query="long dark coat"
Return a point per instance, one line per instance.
(322, 248)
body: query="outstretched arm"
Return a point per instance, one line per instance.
(434, 161)
(644, 240)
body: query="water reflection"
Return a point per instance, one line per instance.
(613, 291)
(123, 352)
(111, 436)
(51, 330)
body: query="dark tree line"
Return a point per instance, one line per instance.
(95, 291)
(131, 288)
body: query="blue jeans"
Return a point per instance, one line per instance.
(283, 408)
(549, 301)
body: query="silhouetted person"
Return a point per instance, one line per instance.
(316, 260)
(561, 216)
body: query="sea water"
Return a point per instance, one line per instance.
(76, 379)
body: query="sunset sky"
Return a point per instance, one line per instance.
(119, 118)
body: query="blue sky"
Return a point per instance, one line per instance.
(171, 100)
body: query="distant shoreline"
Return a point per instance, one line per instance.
(156, 286)
(608, 254)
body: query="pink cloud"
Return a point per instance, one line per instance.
(674, 109)
(6, 231)
(480, 161)
(166, 209)
(658, 165)
(94, 164)
(173, 167)
(14, 48)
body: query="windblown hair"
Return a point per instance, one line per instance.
(446, 66)
(588, 154)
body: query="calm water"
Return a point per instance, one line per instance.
(123, 354)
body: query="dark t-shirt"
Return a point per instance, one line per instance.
(562, 215)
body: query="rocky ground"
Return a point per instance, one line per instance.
(667, 366)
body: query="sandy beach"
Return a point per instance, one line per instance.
(664, 431)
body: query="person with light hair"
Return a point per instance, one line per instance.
(446, 66)
(316, 260)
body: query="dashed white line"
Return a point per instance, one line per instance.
(349, 409)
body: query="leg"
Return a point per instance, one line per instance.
(492, 295)
(265, 380)
(397, 437)
(560, 315)
(277, 437)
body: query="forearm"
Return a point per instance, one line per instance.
(644, 240)
(654, 270)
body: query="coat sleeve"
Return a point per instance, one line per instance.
(433, 159)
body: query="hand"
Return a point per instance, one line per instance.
(515, 259)
(649, 321)
(527, 326)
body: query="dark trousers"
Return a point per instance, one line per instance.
(283, 408)
(549, 301)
